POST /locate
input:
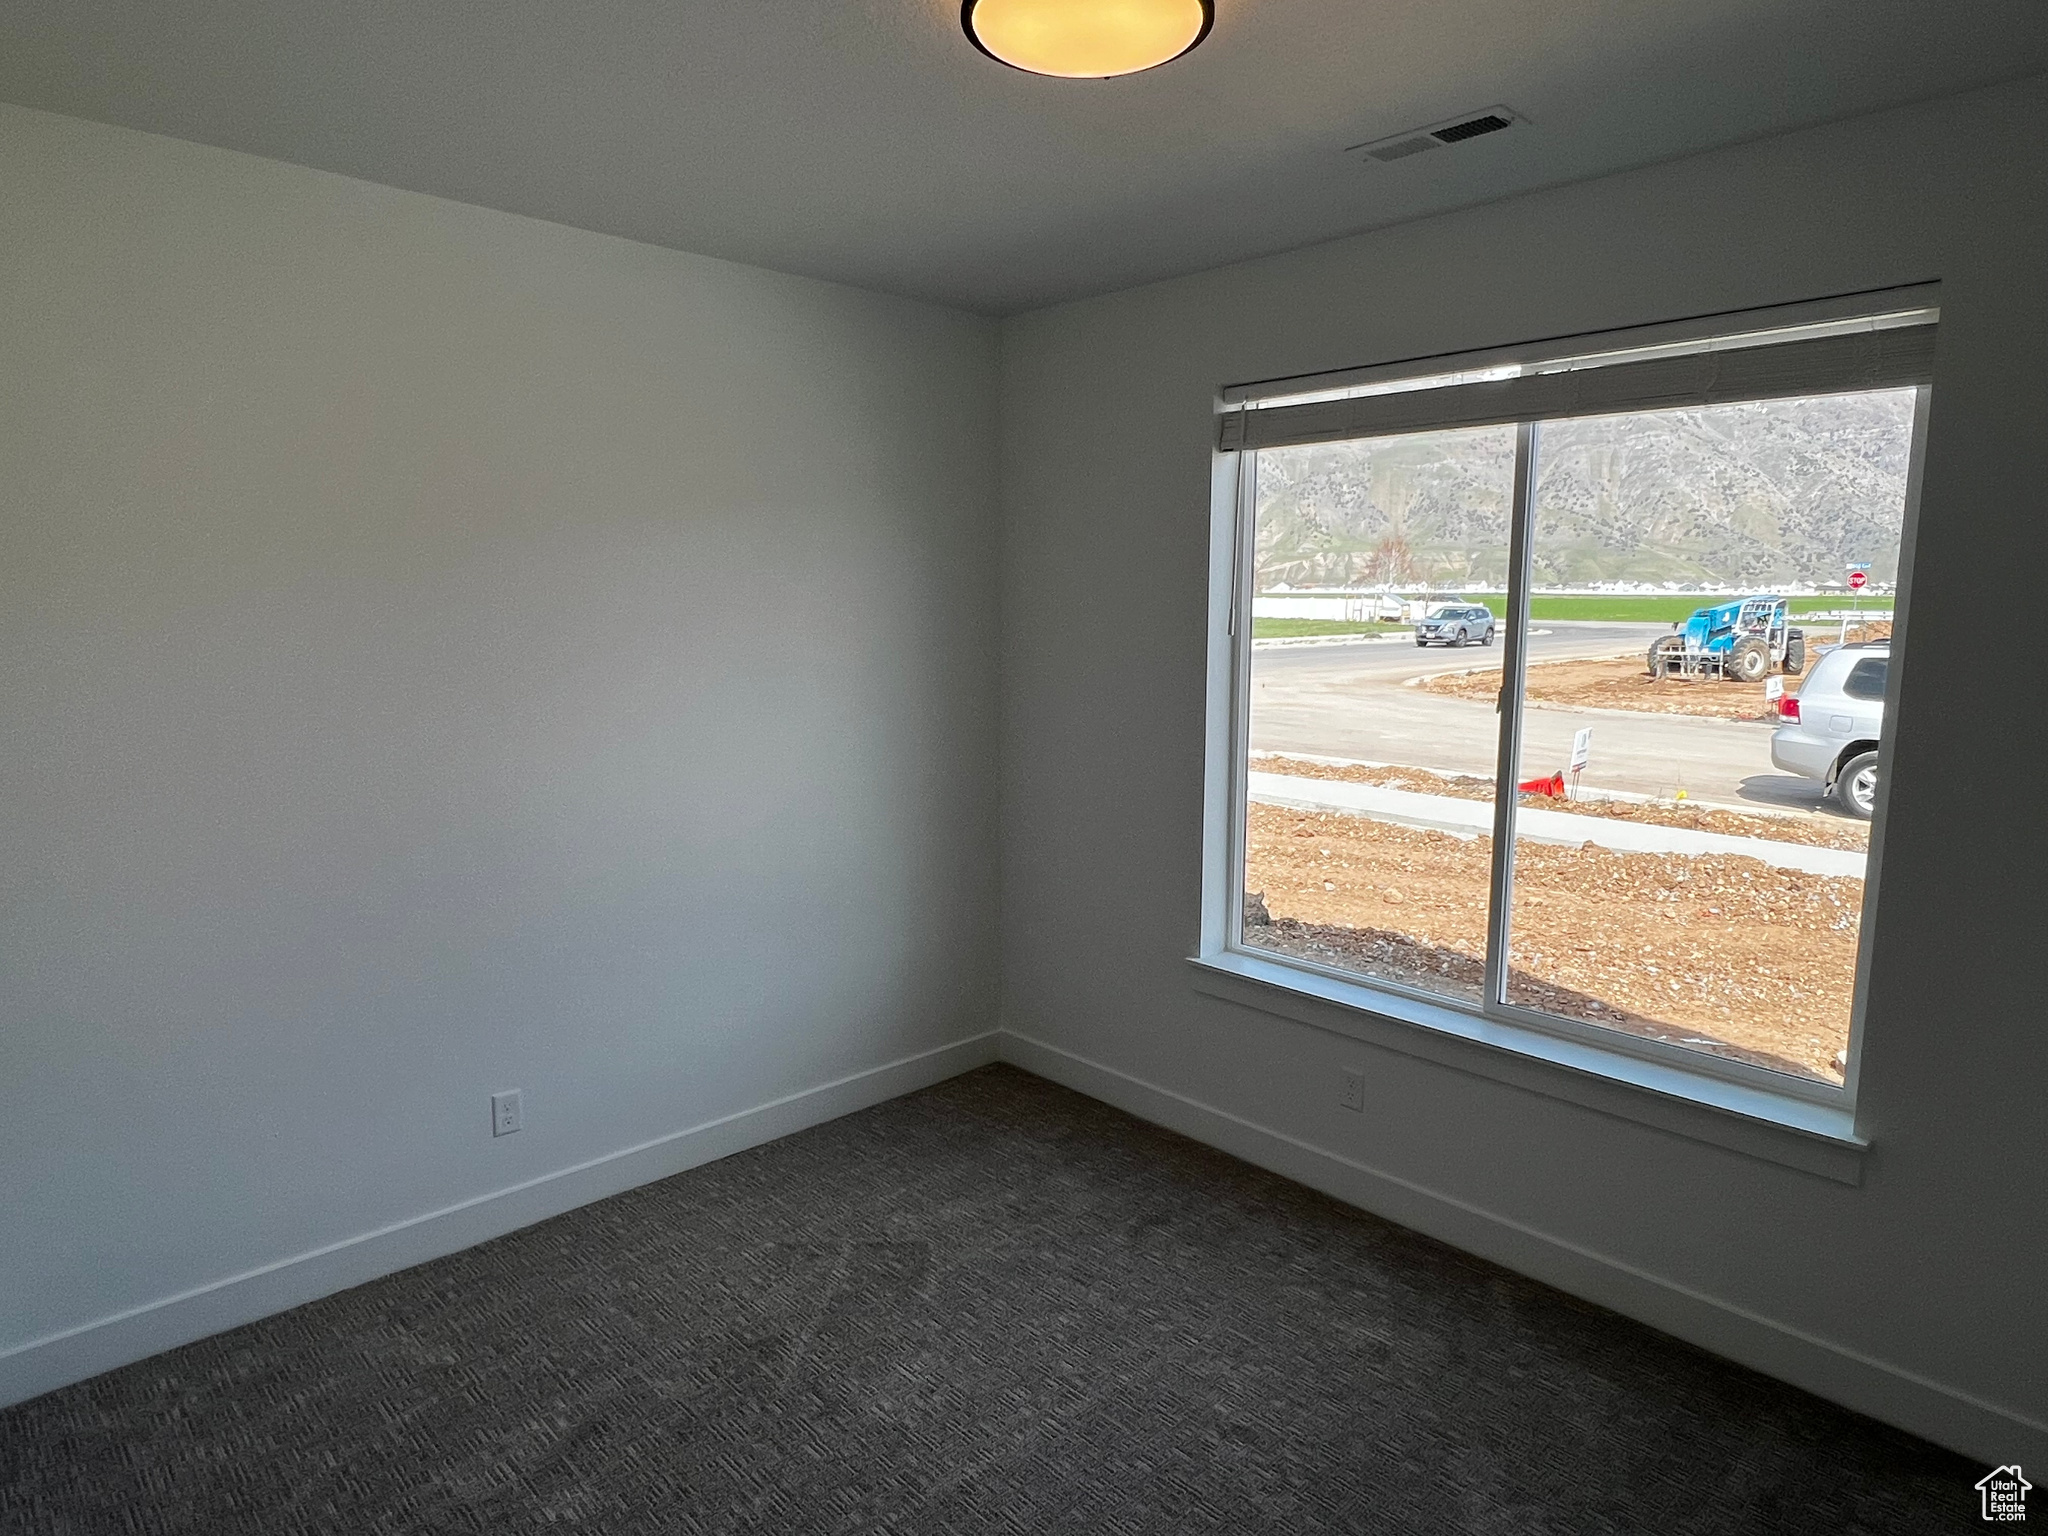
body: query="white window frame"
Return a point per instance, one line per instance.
(1808, 1123)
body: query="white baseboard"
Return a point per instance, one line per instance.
(1982, 1430)
(58, 1359)
(1992, 1435)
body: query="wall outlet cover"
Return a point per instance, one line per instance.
(1351, 1093)
(505, 1112)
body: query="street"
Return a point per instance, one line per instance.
(1348, 701)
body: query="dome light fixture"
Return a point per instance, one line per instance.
(1086, 39)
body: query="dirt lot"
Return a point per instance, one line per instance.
(1624, 682)
(1620, 682)
(1724, 954)
(1815, 829)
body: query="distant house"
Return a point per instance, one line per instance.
(2005, 1493)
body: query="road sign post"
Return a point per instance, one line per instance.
(1582, 752)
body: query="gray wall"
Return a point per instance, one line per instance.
(1917, 1295)
(442, 651)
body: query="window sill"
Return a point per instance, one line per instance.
(1796, 1133)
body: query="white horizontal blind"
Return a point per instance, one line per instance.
(1893, 357)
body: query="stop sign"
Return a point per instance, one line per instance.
(1858, 580)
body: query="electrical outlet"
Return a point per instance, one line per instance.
(505, 1112)
(1351, 1090)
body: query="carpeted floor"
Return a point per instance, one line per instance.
(994, 1306)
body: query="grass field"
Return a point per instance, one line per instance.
(1618, 609)
(1663, 609)
(1297, 629)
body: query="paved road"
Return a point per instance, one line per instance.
(1347, 701)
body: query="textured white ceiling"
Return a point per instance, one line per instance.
(866, 141)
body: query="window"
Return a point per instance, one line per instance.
(1518, 645)
(1866, 678)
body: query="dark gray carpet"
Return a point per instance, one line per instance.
(994, 1306)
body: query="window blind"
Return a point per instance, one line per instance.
(1894, 357)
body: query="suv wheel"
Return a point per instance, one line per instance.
(1487, 638)
(1856, 785)
(1464, 639)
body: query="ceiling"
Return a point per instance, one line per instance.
(866, 141)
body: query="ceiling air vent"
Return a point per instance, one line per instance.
(1471, 128)
(1455, 130)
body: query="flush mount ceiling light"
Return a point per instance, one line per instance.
(1086, 39)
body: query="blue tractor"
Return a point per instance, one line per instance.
(1745, 640)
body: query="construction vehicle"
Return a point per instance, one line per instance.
(1745, 640)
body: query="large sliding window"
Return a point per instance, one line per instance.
(1559, 682)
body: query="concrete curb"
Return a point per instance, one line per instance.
(1291, 642)
(1406, 637)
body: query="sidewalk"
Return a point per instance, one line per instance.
(1474, 818)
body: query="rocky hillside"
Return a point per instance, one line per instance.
(1750, 495)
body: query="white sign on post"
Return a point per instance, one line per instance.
(1774, 689)
(1582, 748)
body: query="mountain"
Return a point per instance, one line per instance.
(1762, 494)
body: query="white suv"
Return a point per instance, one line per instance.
(1833, 723)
